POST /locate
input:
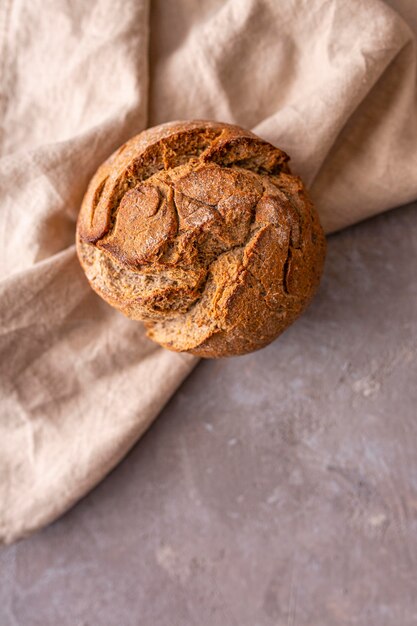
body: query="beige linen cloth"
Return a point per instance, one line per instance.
(332, 83)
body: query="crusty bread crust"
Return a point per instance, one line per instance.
(200, 230)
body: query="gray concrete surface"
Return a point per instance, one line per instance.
(275, 489)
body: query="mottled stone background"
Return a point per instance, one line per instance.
(275, 489)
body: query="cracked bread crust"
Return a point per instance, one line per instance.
(200, 230)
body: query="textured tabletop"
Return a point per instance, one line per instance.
(275, 489)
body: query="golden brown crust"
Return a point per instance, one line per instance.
(200, 230)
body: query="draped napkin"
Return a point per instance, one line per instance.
(331, 83)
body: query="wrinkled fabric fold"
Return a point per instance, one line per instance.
(333, 84)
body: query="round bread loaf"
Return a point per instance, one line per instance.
(200, 230)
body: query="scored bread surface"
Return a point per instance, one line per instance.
(200, 230)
